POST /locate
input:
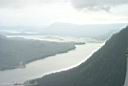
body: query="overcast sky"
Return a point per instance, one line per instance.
(45, 12)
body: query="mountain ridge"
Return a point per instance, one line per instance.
(106, 67)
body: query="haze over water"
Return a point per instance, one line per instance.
(39, 68)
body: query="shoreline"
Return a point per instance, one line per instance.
(68, 68)
(40, 67)
(12, 68)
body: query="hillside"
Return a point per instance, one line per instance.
(106, 67)
(15, 51)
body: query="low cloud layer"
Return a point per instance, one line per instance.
(45, 12)
(79, 4)
(22, 3)
(97, 4)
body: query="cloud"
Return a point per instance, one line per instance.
(23, 3)
(97, 4)
(79, 4)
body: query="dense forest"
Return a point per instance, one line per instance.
(106, 67)
(19, 50)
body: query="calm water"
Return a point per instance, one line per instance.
(58, 62)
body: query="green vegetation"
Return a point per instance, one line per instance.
(19, 50)
(106, 67)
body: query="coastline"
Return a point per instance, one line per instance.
(66, 69)
(44, 57)
(38, 68)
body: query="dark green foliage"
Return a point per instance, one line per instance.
(106, 67)
(14, 51)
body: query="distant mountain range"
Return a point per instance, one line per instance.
(106, 67)
(14, 51)
(98, 31)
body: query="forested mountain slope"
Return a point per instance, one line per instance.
(15, 51)
(106, 67)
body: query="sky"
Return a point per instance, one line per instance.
(46, 12)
